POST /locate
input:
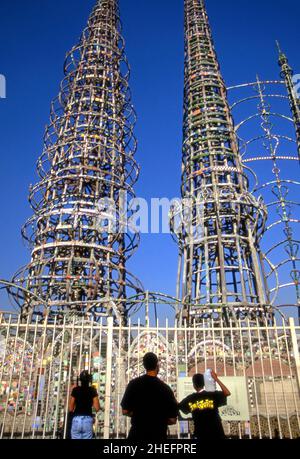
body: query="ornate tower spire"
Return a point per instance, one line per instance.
(221, 261)
(287, 73)
(79, 248)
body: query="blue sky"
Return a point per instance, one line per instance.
(34, 38)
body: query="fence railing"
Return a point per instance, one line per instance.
(40, 362)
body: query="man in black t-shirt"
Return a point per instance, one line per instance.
(150, 403)
(204, 406)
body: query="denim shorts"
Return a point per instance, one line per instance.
(82, 428)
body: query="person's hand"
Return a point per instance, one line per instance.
(214, 375)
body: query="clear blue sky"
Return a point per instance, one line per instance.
(34, 37)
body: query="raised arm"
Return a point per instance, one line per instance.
(225, 390)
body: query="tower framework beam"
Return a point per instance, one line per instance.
(78, 236)
(219, 248)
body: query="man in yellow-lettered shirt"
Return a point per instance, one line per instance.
(204, 407)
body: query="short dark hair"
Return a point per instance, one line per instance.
(150, 361)
(85, 378)
(198, 381)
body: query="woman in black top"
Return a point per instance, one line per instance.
(84, 398)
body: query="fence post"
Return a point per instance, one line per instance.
(110, 323)
(295, 349)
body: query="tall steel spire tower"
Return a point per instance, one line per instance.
(287, 74)
(79, 247)
(221, 269)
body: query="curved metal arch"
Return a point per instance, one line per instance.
(264, 94)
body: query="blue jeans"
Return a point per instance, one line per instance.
(82, 428)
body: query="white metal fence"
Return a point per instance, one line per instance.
(39, 364)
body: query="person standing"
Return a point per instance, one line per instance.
(150, 403)
(204, 407)
(83, 399)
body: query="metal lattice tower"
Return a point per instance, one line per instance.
(267, 127)
(79, 251)
(220, 261)
(287, 74)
